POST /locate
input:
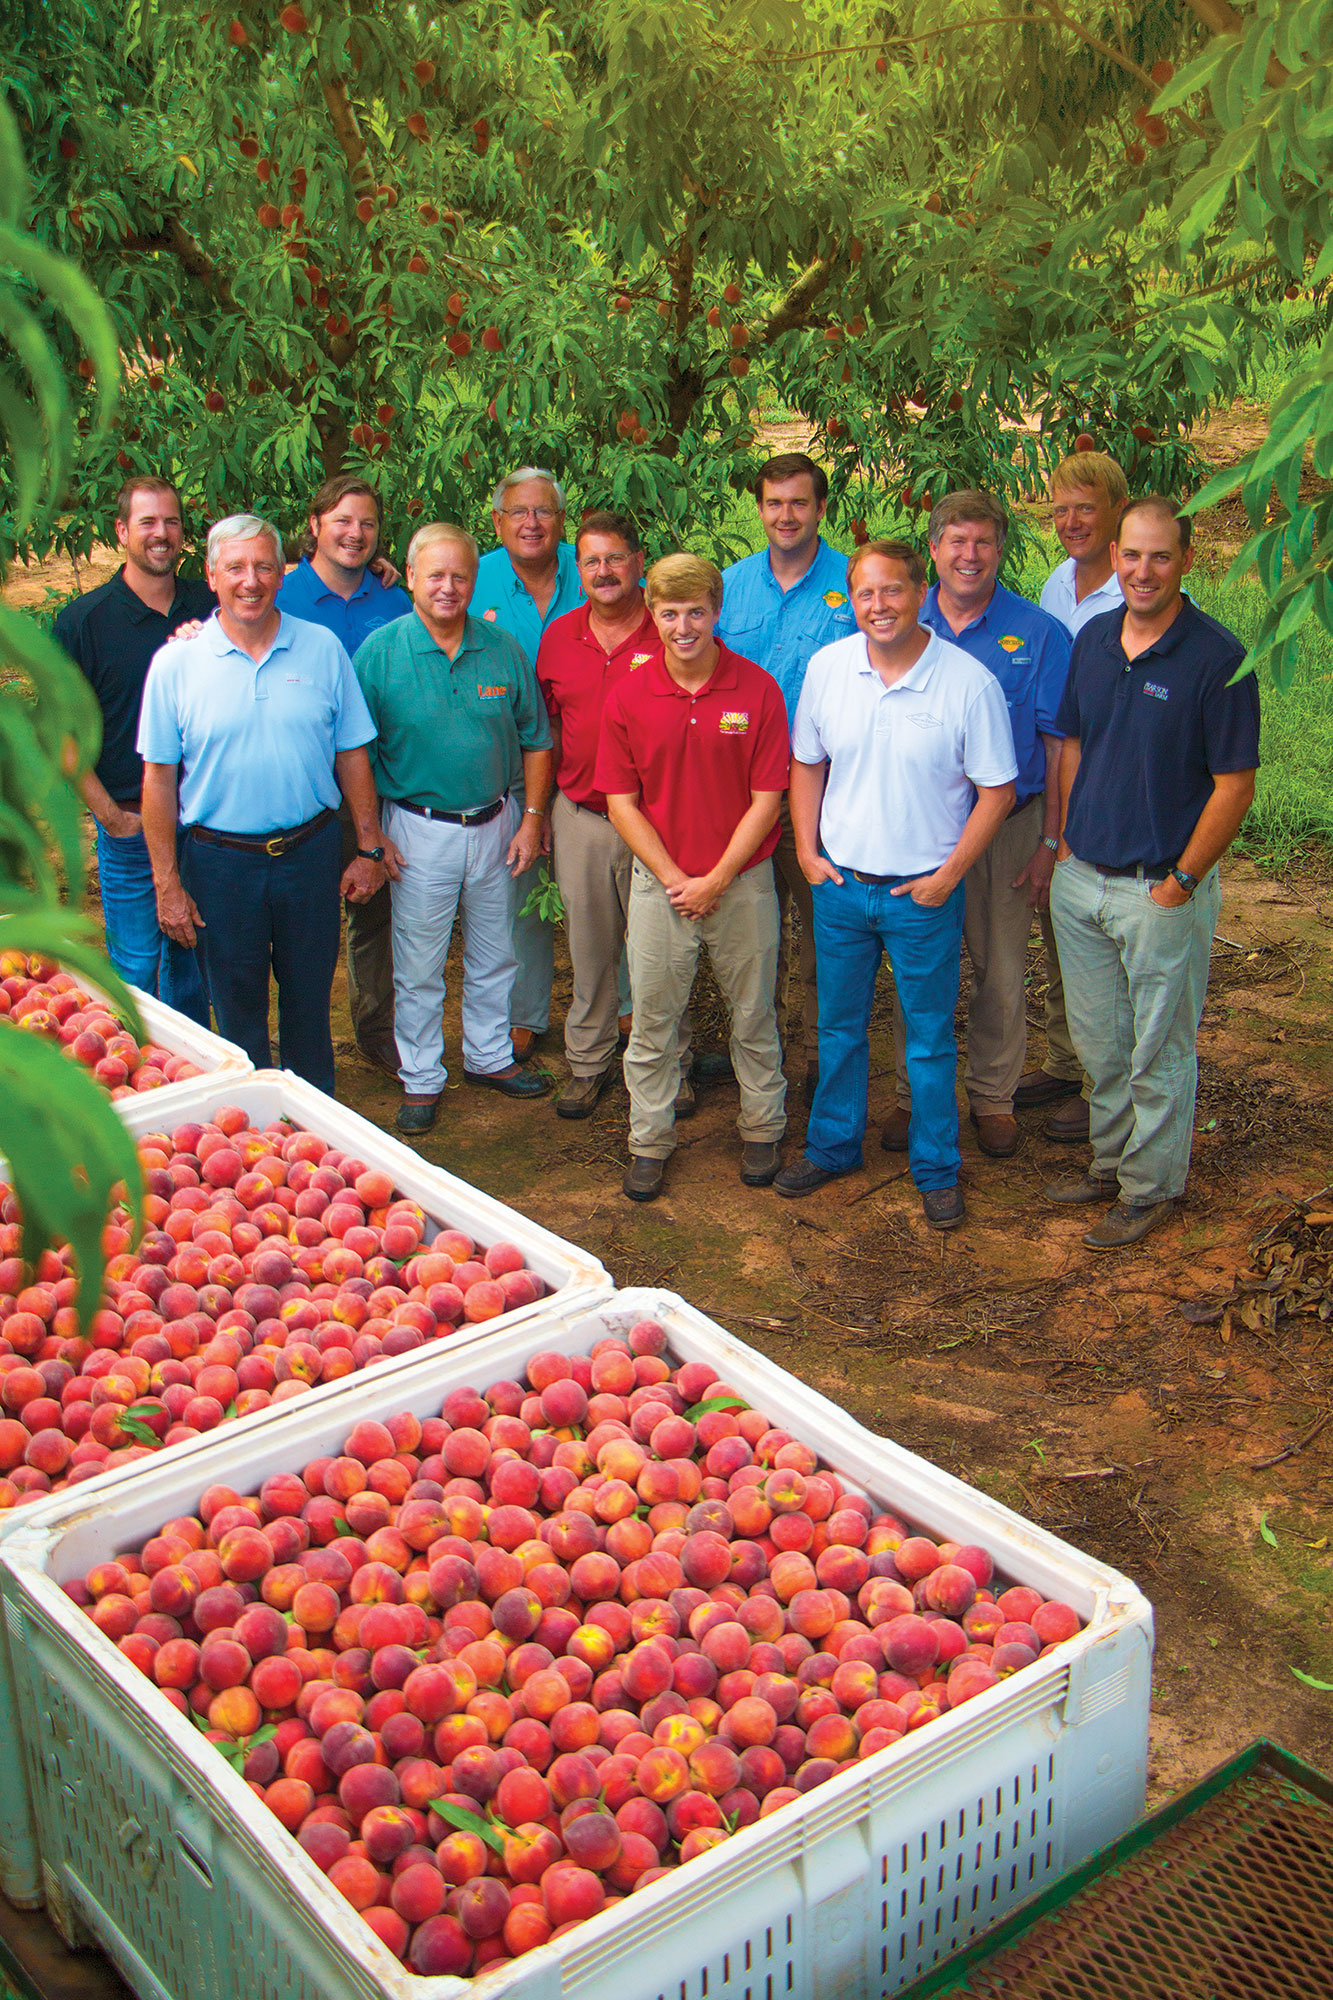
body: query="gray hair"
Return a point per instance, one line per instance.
(521, 478)
(440, 531)
(241, 528)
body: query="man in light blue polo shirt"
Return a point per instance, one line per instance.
(1028, 653)
(778, 608)
(1088, 495)
(334, 586)
(523, 586)
(259, 722)
(902, 772)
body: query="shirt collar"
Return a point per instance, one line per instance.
(918, 675)
(583, 632)
(419, 638)
(134, 606)
(812, 575)
(317, 589)
(931, 612)
(724, 675)
(221, 645)
(1175, 635)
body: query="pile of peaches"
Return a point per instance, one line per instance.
(36, 995)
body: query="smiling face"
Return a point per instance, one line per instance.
(790, 514)
(886, 601)
(1150, 562)
(346, 537)
(245, 578)
(967, 558)
(441, 581)
(1085, 521)
(610, 572)
(686, 631)
(530, 526)
(153, 535)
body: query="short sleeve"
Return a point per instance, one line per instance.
(1231, 721)
(771, 765)
(1052, 673)
(160, 740)
(353, 726)
(1068, 717)
(616, 768)
(988, 737)
(807, 745)
(534, 730)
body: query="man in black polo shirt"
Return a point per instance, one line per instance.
(1156, 775)
(111, 634)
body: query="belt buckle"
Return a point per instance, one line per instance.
(276, 846)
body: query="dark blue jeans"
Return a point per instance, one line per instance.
(136, 947)
(265, 912)
(854, 924)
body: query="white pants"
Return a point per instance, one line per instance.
(448, 869)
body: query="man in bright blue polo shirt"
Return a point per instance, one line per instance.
(1157, 770)
(455, 706)
(522, 586)
(778, 608)
(259, 721)
(333, 586)
(1028, 653)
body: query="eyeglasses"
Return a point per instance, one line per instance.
(593, 563)
(542, 514)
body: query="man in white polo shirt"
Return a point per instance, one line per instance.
(902, 771)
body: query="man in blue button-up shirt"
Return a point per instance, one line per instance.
(1028, 653)
(334, 586)
(778, 608)
(523, 586)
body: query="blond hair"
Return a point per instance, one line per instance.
(684, 579)
(1093, 472)
(439, 531)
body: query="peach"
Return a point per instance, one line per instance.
(1054, 1622)
(418, 1892)
(357, 1879)
(916, 1557)
(460, 1857)
(530, 1849)
(571, 1895)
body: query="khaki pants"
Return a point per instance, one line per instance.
(1061, 1055)
(369, 951)
(997, 923)
(741, 937)
(797, 994)
(592, 868)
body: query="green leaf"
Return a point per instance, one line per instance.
(1308, 1680)
(1266, 1532)
(141, 1432)
(698, 1410)
(467, 1822)
(341, 1526)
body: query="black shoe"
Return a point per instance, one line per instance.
(417, 1117)
(381, 1052)
(511, 1082)
(579, 1097)
(713, 1067)
(803, 1177)
(943, 1207)
(643, 1182)
(760, 1160)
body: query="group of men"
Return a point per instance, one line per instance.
(803, 744)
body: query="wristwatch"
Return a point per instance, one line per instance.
(538, 812)
(1048, 840)
(370, 854)
(1189, 883)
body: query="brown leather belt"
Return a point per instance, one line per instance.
(272, 844)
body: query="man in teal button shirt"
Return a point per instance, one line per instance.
(522, 587)
(455, 707)
(778, 608)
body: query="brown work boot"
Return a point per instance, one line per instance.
(1128, 1222)
(997, 1133)
(1038, 1086)
(1091, 1187)
(893, 1132)
(1069, 1125)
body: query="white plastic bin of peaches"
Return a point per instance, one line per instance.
(498, 1669)
(269, 1261)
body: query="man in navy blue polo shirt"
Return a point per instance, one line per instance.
(778, 608)
(333, 586)
(111, 634)
(1157, 772)
(1028, 653)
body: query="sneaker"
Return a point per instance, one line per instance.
(643, 1182)
(1069, 1125)
(1038, 1086)
(997, 1133)
(579, 1097)
(943, 1208)
(760, 1160)
(893, 1132)
(802, 1177)
(417, 1117)
(1091, 1187)
(1128, 1222)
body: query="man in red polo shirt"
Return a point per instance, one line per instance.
(582, 656)
(693, 760)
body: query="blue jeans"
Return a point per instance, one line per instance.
(265, 911)
(854, 924)
(136, 947)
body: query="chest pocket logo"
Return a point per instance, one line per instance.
(923, 719)
(492, 693)
(734, 722)
(1012, 642)
(1156, 689)
(639, 660)
(835, 599)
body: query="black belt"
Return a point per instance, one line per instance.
(877, 881)
(477, 818)
(1019, 804)
(264, 843)
(596, 811)
(1156, 871)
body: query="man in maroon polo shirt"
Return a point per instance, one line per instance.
(582, 656)
(693, 759)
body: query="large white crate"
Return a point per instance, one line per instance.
(152, 1845)
(180, 1036)
(570, 1273)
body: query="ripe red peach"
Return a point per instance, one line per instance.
(1054, 1622)
(357, 1879)
(571, 1895)
(529, 1850)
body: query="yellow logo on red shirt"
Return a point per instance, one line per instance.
(1011, 642)
(639, 660)
(836, 598)
(492, 693)
(733, 722)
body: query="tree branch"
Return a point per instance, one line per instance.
(1221, 18)
(793, 309)
(1227, 284)
(347, 131)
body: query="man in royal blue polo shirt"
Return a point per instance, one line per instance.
(333, 586)
(778, 608)
(1157, 770)
(111, 634)
(1028, 653)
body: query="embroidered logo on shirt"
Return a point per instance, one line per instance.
(834, 598)
(489, 616)
(1155, 688)
(639, 660)
(1012, 643)
(924, 719)
(491, 694)
(733, 722)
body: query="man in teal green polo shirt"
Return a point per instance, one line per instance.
(456, 708)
